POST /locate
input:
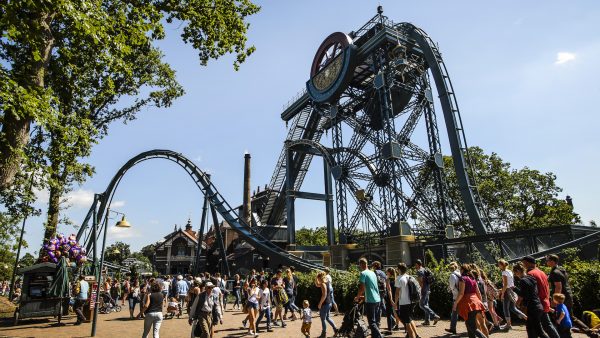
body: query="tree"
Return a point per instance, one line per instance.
(117, 252)
(66, 67)
(309, 237)
(513, 198)
(149, 250)
(26, 260)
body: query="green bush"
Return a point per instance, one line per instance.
(584, 278)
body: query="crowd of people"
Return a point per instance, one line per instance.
(543, 302)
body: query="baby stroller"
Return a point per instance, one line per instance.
(353, 324)
(108, 304)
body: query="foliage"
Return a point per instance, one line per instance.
(345, 287)
(513, 198)
(310, 237)
(117, 252)
(70, 68)
(149, 250)
(26, 260)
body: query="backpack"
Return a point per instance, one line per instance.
(414, 290)
(428, 277)
(381, 283)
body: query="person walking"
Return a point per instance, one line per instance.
(468, 303)
(289, 284)
(491, 295)
(325, 303)
(508, 296)
(264, 305)
(390, 305)
(279, 297)
(153, 303)
(182, 290)
(329, 279)
(202, 311)
(559, 283)
(405, 304)
(385, 291)
(125, 290)
(82, 289)
(453, 285)
(237, 287)
(133, 297)
(543, 290)
(369, 291)
(425, 278)
(527, 291)
(252, 306)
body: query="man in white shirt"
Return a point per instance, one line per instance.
(453, 286)
(405, 306)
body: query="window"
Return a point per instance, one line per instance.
(181, 250)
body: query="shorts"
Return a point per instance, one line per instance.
(251, 305)
(405, 312)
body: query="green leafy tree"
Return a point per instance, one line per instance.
(26, 260)
(512, 198)
(149, 250)
(66, 67)
(117, 252)
(316, 236)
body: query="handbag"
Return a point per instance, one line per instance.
(197, 329)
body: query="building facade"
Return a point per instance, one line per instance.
(176, 254)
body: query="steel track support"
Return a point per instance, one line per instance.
(289, 196)
(329, 204)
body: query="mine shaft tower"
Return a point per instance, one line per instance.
(371, 89)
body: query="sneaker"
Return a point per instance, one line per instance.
(245, 323)
(275, 324)
(450, 331)
(425, 323)
(283, 324)
(269, 329)
(505, 327)
(436, 318)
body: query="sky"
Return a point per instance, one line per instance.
(525, 75)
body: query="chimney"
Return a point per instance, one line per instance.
(247, 207)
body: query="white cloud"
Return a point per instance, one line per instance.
(83, 198)
(117, 204)
(121, 233)
(80, 198)
(564, 57)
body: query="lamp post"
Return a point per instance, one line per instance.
(121, 224)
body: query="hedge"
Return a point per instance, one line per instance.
(584, 278)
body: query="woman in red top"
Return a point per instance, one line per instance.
(468, 303)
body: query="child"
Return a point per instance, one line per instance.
(173, 307)
(306, 318)
(264, 302)
(563, 318)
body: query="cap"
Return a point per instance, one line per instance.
(208, 285)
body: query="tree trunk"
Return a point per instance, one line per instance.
(53, 213)
(14, 135)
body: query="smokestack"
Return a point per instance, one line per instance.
(247, 207)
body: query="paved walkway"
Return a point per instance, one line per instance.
(117, 325)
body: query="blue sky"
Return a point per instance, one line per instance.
(525, 75)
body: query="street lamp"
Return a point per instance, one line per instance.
(121, 224)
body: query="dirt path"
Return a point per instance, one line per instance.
(117, 325)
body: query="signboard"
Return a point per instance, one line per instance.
(93, 296)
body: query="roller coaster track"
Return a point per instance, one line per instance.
(227, 212)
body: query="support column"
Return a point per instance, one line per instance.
(289, 199)
(329, 204)
(169, 260)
